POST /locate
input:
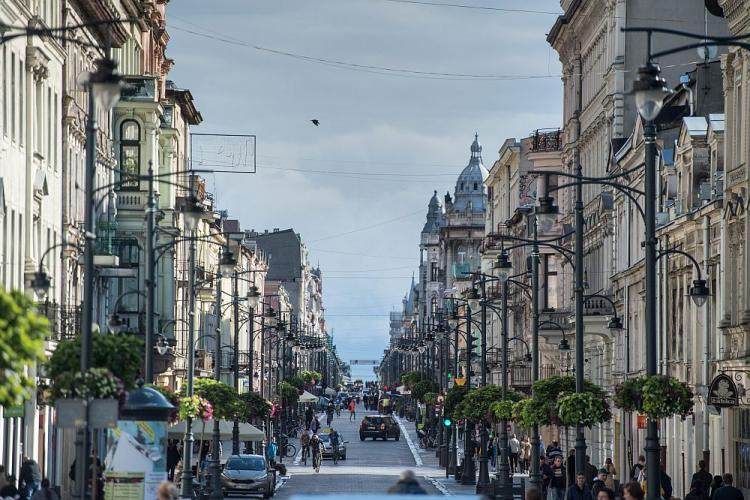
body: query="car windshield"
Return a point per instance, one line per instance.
(373, 420)
(246, 463)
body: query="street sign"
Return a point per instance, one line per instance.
(722, 393)
(13, 411)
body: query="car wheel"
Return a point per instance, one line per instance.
(266, 495)
(397, 437)
(361, 437)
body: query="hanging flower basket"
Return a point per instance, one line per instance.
(96, 383)
(195, 408)
(656, 396)
(584, 408)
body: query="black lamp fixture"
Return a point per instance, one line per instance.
(227, 263)
(699, 292)
(106, 84)
(253, 297)
(41, 283)
(192, 212)
(615, 324)
(649, 90)
(546, 211)
(115, 324)
(503, 266)
(527, 357)
(564, 345)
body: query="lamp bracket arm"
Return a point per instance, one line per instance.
(675, 251)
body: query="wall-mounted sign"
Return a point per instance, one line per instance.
(722, 393)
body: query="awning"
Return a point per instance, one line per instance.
(330, 391)
(308, 398)
(248, 432)
(403, 390)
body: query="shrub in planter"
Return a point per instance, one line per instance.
(96, 383)
(584, 409)
(656, 396)
(503, 409)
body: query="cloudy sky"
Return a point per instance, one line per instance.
(399, 88)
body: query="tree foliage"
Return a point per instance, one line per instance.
(477, 405)
(121, 354)
(421, 388)
(311, 377)
(409, 378)
(453, 397)
(223, 397)
(22, 334)
(297, 381)
(289, 393)
(657, 396)
(254, 407)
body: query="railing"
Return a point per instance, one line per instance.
(597, 307)
(546, 140)
(65, 321)
(461, 271)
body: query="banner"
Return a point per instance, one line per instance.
(136, 460)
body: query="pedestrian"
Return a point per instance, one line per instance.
(271, 451)
(526, 454)
(167, 491)
(515, 448)
(546, 472)
(533, 494)
(556, 489)
(605, 494)
(315, 425)
(30, 477)
(696, 490)
(553, 449)
(407, 485)
(704, 477)
(46, 492)
(579, 491)
(10, 490)
(666, 483)
(717, 483)
(173, 456)
(352, 410)
(632, 491)
(635, 472)
(728, 491)
(610, 482)
(599, 483)
(309, 414)
(570, 464)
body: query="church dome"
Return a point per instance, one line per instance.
(469, 192)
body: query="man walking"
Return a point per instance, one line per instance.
(704, 477)
(515, 447)
(30, 477)
(352, 410)
(579, 491)
(728, 491)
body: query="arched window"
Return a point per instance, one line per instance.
(130, 154)
(433, 305)
(475, 186)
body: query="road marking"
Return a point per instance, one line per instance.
(414, 452)
(437, 484)
(281, 482)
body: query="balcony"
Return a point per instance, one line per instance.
(139, 88)
(65, 321)
(545, 140)
(597, 307)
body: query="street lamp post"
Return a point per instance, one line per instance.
(236, 314)
(468, 475)
(503, 469)
(150, 238)
(104, 91)
(535, 478)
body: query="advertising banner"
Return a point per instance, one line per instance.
(136, 460)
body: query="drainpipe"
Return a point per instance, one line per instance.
(706, 339)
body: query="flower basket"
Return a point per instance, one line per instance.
(96, 383)
(195, 408)
(656, 396)
(503, 409)
(585, 408)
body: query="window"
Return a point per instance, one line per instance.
(20, 102)
(738, 126)
(475, 186)
(130, 154)
(4, 72)
(13, 96)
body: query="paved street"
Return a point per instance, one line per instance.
(370, 467)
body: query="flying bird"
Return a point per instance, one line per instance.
(315, 122)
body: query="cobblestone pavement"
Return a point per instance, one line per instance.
(370, 467)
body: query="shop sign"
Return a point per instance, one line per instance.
(722, 393)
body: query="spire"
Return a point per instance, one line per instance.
(476, 149)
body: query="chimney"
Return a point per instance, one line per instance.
(276, 230)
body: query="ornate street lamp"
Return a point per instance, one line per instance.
(227, 263)
(503, 266)
(649, 90)
(253, 297)
(699, 292)
(41, 283)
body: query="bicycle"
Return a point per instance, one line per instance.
(289, 450)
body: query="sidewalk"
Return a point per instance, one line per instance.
(427, 463)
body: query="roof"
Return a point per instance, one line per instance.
(469, 191)
(284, 251)
(696, 125)
(434, 215)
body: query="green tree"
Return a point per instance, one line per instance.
(253, 406)
(476, 406)
(411, 377)
(121, 354)
(453, 397)
(423, 387)
(22, 334)
(288, 393)
(297, 381)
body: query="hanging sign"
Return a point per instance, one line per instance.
(722, 393)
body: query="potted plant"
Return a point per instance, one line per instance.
(584, 408)
(656, 396)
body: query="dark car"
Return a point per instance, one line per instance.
(379, 426)
(248, 475)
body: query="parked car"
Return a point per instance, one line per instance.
(249, 475)
(379, 426)
(328, 449)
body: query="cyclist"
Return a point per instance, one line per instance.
(304, 442)
(316, 448)
(329, 414)
(338, 408)
(335, 439)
